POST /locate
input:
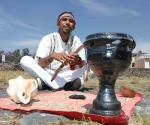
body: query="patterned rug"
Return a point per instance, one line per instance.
(59, 103)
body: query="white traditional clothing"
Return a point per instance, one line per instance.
(49, 44)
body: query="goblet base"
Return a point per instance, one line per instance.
(106, 102)
(105, 112)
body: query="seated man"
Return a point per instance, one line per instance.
(55, 49)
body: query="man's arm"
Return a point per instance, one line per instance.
(62, 57)
(44, 62)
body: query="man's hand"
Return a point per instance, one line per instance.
(65, 58)
(77, 62)
(74, 58)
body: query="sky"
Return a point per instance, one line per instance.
(24, 22)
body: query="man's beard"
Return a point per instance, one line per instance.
(65, 31)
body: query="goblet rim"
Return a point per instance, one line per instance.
(109, 37)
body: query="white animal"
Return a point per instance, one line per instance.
(22, 90)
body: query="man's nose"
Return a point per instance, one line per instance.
(67, 21)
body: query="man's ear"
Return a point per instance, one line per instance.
(74, 26)
(58, 22)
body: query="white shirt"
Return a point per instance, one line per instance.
(53, 43)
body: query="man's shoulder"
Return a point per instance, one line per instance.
(76, 38)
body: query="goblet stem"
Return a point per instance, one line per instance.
(106, 102)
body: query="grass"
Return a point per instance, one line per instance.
(75, 122)
(6, 75)
(138, 84)
(138, 119)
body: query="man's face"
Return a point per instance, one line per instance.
(66, 24)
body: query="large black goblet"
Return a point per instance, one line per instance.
(108, 54)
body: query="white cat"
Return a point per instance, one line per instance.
(22, 90)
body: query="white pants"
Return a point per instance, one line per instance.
(32, 67)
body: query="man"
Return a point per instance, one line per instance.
(55, 49)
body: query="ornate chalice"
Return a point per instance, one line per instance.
(108, 54)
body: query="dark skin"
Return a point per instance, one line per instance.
(65, 27)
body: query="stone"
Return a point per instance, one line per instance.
(7, 113)
(38, 118)
(9, 118)
(144, 107)
(145, 101)
(3, 92)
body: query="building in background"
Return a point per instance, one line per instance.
(140, 60)
(3, 58)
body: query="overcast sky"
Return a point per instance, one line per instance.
(24, 22)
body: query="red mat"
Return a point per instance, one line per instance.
(59, 103)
